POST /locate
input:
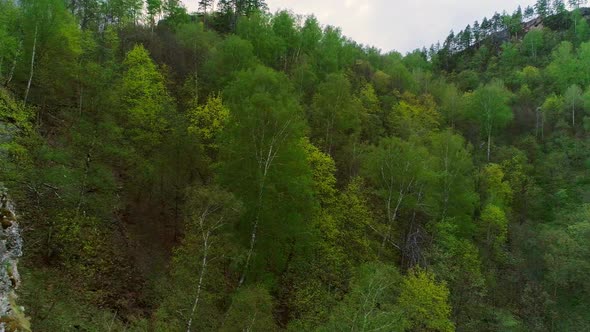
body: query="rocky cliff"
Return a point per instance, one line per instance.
(12, 316)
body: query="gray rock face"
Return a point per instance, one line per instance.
(11, 244)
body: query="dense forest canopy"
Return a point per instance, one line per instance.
(240, 170)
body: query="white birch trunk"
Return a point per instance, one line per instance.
(32, 65)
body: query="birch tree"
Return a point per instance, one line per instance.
(267, 169)
(209, 209)
(573, 101)
(371, 303)
(395, 167)
(489, 105)
(452, 192)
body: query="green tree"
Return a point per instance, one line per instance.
(144, 100)
(371, 303)
(154, 9)
(564, 66)
(489, 106)
(533, 42)
(267, 170)
(229, 57)
(573, 101)
(543, 8)
(396, 169)
(372, 116)
(424, 302)
(452, 195)
(207, 121)
(9, 40)
(452, 105)
(334, 115)
(194, 285)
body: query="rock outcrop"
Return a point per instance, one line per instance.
(12, 316)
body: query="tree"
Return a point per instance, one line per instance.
(267, 170)
(154, 9)
(230, 56)
(529, 11)
(543, 8)
(371, 303)
(209, 211)
(489, 105)
(558, 7)
(565, 258)
(564, 66)
(193, 286)
(583, 60)
(207, 121)
(494, 189)
(452, 105)
(413, 116)
(456, 259)
(205, 5)
(573, 101)
(424, 302)
(9, 39)
(581, 27)
(533, 41)
(494, 228)
(232, 10)
(466, 37)
(144, 99)
(51, 44)
(452, 193)
(334, 116)
(396, 168)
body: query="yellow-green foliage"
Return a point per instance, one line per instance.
(13, 111)
(323, 169)
(494, 225)
(414, 115)
(16, 138)
(207, 121)
(425, 302)
(496, 189)
(145, 98)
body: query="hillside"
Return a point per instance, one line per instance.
(239, 170)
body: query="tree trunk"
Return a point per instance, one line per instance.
(489, 143)
(200, 284)
(392, 217)
(32, 65)
(253, 235)
(573, 115)
(20, 45)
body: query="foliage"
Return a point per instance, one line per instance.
(235, 169)
(424, 302)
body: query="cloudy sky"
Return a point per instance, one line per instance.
(401, 25)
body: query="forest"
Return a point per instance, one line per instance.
(235, 169)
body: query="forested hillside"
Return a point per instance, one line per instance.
(241, 170)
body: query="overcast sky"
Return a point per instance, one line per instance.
(401, 25)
